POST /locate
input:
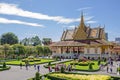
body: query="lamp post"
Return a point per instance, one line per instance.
(17, 52)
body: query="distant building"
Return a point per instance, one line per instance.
(83, 39)
(117, 39)
(106, 34)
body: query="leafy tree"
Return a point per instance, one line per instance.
(31, 41)
(46, 41)
(39, 49)
(25, 41)
(30, 50)
(9, 38)
(35, 41)
(46, 50)
(6, 48)
(19, 49)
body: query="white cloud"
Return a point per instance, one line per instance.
(84, 8)
(91, 22)
(72, 26)
(7, 21)
(12, 9)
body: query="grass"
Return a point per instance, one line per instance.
(83, 68)
(17, 62)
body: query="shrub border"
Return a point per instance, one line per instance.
(46, 66)
(58, 78)
(31, 64)
(8, 67)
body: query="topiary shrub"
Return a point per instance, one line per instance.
(105, 59)
(62, 69)
(37, 76)
(99, 62)
(4, 65)
(90, 66)
(49, 63)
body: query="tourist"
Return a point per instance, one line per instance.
(38, 68)
(26, 65)
(20, 65)
(35, 66)
(111, 63)
(49, 68)
(111, 69)
(69, 66)
(56, 67)
(107, 69)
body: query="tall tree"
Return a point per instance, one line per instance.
(35, 41)
(46, 50)
(39, 49)
(47, 41)
(9, 38)
(31, 41)
(6, 48)
(19, 49)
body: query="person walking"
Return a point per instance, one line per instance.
(35, 66)
(49, 68)
(111, 69)
(38, 68)
(107, 69)
(20, 65)
(26, 65)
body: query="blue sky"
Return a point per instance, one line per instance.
(48, 18)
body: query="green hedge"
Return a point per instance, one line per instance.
(46, 66)
(80, 64)
(30, 60)
(55, 78)
(2, 69)
(59, 78)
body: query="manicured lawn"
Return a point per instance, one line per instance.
(16, 62)
(83, 68)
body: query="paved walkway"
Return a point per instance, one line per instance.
(15, 73)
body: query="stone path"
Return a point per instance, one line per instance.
(15, 73)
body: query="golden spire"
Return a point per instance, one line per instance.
(82, 22)
(80, 34)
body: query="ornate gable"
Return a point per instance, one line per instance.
(80, 33)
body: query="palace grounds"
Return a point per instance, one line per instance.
(81, 68)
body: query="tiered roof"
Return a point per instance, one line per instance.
(83, 36)
(83, 32)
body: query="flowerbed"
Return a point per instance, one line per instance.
(62, 76)
(81, 63)
(81, 66)
(30, 60)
